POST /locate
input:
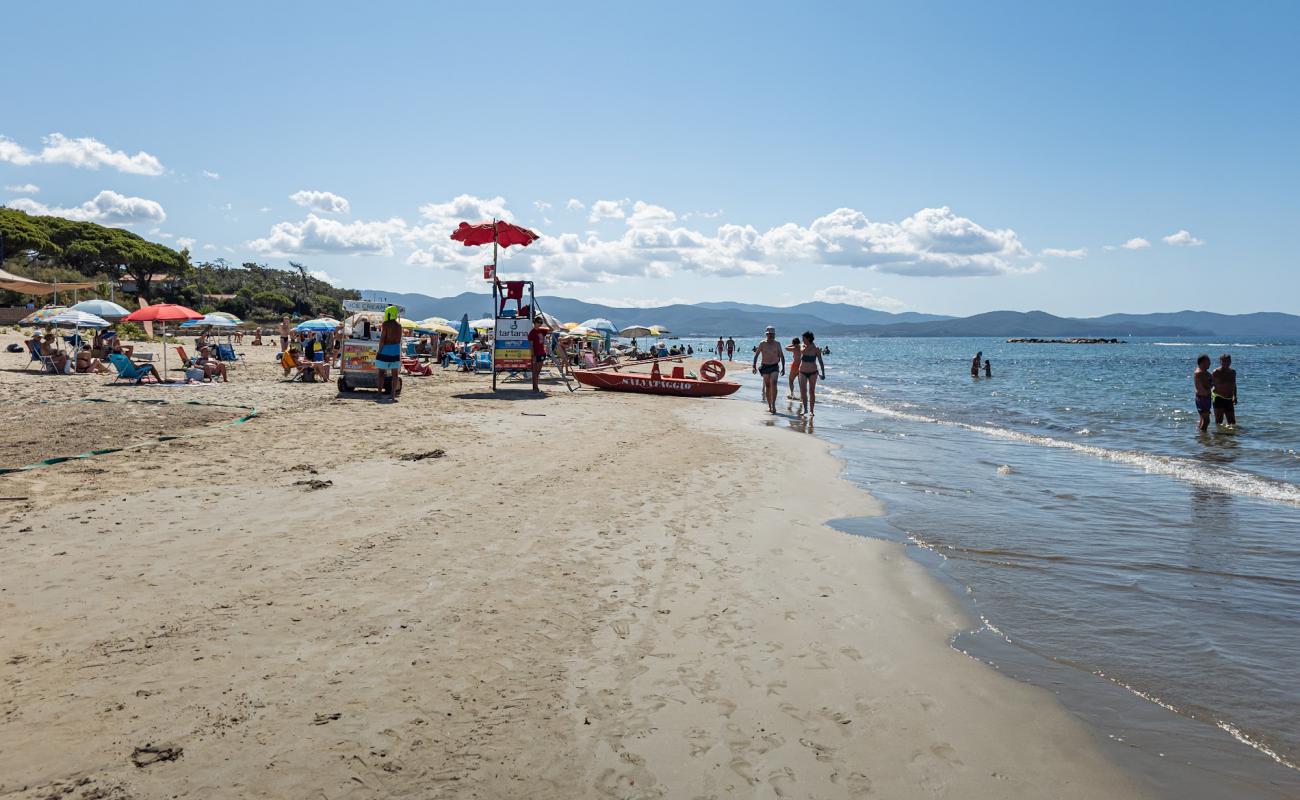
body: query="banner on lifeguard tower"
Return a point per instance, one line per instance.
(511, 349)
(489, 271)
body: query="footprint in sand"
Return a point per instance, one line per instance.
(782, 782)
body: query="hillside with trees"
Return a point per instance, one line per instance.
(57, 249)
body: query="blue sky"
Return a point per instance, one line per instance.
(944, 157)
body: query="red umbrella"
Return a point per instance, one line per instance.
(502, 233)
(496, 232)
(164, 313)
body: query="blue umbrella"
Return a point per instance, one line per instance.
(317, 325)
(465, 334)
(101, 308)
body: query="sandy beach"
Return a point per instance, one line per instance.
(468, 595)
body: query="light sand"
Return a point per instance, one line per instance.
(588, 595)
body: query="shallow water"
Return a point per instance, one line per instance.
(1071, 501)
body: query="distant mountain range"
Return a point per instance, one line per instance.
(748, 319)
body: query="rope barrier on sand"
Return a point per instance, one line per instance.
(252, 412)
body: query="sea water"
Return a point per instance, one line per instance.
(1146, 573)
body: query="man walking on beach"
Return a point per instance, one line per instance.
(1204, 384)
(1225, 391)
(537, 341)
(719, 348)
(388, 361)
(773, 356)
(284, 334)
(731, 349)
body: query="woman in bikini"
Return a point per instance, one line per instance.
(810, 367)
(794, 348)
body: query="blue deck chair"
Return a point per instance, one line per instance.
(482, 361)
(47, 363)
(226, 352)
(126, 371)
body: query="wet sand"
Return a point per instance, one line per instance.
(582, 595)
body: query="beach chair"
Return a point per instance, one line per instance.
(482, 361)
(47, 363)
(413, 366)
(226, 352)
(186, 361)
(126, 371)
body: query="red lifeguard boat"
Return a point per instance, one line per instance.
(675, 383)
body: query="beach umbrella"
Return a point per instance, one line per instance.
(633, 331)
(437, 327)
(429, 322)
(466, 334)
(498, 232)
(568, 326)
(407, 324)
(318, 324)
(551, 322)
(485, 324)
(210, 321)
(72, 318)
(228, 316)
(660, 330)
(163, 313)
(42, 316)
(105, 309)
(600, 324)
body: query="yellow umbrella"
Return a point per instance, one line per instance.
(438, 327)
(407, 324)
(568, 326)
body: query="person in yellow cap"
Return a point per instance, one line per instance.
(388, 361)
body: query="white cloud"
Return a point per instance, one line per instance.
(607, 209)
(858, 297)
(1136, 243)
(209, 247)
(645, 215)
(323, 235)
(23, 188)
(1182, 239)
(327, 202)
(107, 208)
(1059, 252)
(158, 232)
(264, 209)
(541, 206)
(574, 204)
(85, 152)
(322, 275)
(207, 173)
(185, 243)
(932, 242)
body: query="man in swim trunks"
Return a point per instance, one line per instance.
(388, 361)
(731, 348)
(1225, 391)
(537, 342)
(1204, 383)
(773, 356)
(284, 334)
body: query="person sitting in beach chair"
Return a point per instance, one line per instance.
(127, 370)
(113, 343)
(58, 358)
(39, 356)
(211, 367)
(86, 363)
